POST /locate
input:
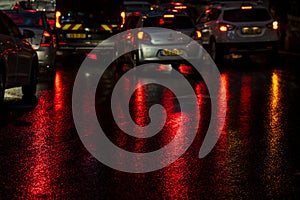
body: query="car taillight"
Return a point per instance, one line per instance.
(274, 25)
(225, 27)
(141, 35)
(123, 15)
(46, 39)
(197, 35)
(57, 18)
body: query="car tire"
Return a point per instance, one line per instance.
(2, 85)
(30, 90)
(215, 52)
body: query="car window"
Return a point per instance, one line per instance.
(26, 19)
(137, 7)
(240, 15)
(177, 22)
(9, 28)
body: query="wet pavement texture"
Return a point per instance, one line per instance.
(256, 156)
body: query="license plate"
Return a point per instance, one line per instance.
(171, 52)
(76, 35)
(251, 30)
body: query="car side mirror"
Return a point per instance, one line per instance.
(27, 33)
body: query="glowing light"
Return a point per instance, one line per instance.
(246, 7)
(223, 28)
(275, 25)
(198, 35)
(57, 16)
(123, 15)
(169, 16)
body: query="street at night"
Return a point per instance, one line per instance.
(256, 156)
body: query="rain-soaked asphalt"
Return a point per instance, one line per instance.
(256, 156)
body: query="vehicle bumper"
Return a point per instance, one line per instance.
(84, 47)
(152, 53)
(249, 47)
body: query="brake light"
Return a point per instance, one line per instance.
(123, 15)
(197, 35)
(246, 7)
(143, 36)
(225, 27)
(46, 39)
(180, 7)
(57, 17)
(274, 25)
(169, 16)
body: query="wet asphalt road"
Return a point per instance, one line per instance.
(256, 157)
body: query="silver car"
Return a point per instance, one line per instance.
(44, 40)
(164, 37)
(239, 27)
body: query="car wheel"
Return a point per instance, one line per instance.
(30, 90)
(215, 52)
(2, 86)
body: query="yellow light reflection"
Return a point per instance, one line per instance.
(274, 177)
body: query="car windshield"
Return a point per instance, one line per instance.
(26, 19)
(176, 22)
(240, 15)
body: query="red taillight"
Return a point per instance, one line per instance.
(225, 27)
(141, 35)
(46, 39)
(197, 35)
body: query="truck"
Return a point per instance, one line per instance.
(82, 24)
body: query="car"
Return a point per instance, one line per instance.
(239, 27)
(131, 7)
(179, 6)
(18, 59)
(44, 40)
(165, 45)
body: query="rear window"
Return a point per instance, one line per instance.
(138, 7)
(26, 19)
(177, 22)
(239, 15)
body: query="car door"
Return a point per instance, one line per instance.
(22, 52)
(8, 52)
